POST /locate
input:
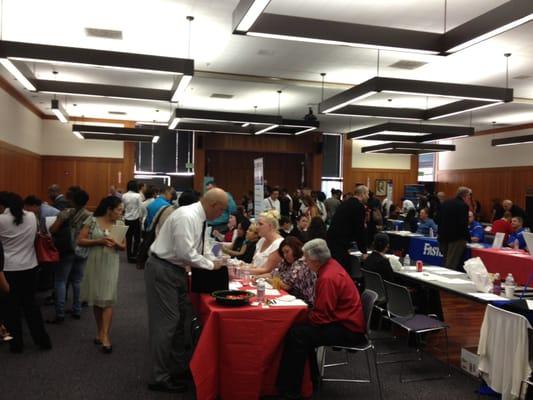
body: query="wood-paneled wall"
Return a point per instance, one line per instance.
(229, 158)
(25, 173)
(368, 176)
(20, 170)
(94, 175)
(234, 170)
(489, 183)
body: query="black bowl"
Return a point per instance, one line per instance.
(221, 297)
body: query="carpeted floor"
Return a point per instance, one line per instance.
(76, 370)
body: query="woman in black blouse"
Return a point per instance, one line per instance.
(377, 261)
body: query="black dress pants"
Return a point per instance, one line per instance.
(300, 343)
(21, 301)
(133, 238)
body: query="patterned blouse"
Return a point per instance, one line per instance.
(300, 279)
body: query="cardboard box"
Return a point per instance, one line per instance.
(470, 360)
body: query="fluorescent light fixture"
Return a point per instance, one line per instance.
(173, 123)
(158, 123)
(78, 135)
(491, 34)
(339, 43)
(152, 175)
(17, 74)
(350, 101)
(268, 128)
(410, 133)
(249, 18)
(305, 131)
(462, 111)
(59, 111)
(409, 148)
(181, 88)
(440, 95)
(180, 173)
(468, 97)
(511, 141)
(246, 124)
(255, 9)
(155, 139)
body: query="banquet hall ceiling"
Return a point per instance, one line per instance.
(250, 70)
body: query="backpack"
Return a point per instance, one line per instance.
(148, 239)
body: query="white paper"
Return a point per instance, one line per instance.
(487, 296)
(118, 233)
(528, 237)
(235, 285)
(443, 271)
(529, 304)
(498, 240)
(294, 303)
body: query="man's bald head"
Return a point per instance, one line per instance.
(214, 202)
(507, 205)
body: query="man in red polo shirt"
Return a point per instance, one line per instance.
(337, 318)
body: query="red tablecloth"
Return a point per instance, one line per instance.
(239, 351)
(517, 262)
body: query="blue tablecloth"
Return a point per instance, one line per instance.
(427, 249)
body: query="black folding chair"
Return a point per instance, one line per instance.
(374, 281)
(402, 314)
(368, 299)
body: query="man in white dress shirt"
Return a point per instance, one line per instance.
(179, 244)
(272, 202)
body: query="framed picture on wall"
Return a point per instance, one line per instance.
(381, 187)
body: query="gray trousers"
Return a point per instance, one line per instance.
(453, 253)
(168, 310)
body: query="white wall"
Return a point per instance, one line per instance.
(18, 125)
(384, 161)
(477, 152)
(58, 140)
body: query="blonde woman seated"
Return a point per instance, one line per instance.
(266, 256)
(294, 275)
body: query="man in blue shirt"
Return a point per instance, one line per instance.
(426, 224)
(220, 223)
(516, 239)
(163, 200)
(477, 234)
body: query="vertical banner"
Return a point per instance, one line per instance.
(259, 187)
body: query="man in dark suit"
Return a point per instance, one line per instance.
(347, 226)
(453, 228)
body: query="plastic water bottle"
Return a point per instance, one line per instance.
(430, 232)
(407, 260)
(261, 289)
(510, 286)
(497, 285)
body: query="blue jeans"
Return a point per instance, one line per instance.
(70, 268)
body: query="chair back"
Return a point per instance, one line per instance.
(368, 298)
(399, 302)
(374, 281)
(355, 266)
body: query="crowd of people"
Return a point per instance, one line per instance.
(302, 242)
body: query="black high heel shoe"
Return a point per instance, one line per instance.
(107, 349)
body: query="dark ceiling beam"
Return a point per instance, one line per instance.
(386, 112)
(94, 89)
(95, 57)
(357, 34)
(505, 14)
(434, 132)
(407, 148)
(455, 108)
(123, 138)
(156, 131)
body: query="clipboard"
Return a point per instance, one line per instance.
(118, 233)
